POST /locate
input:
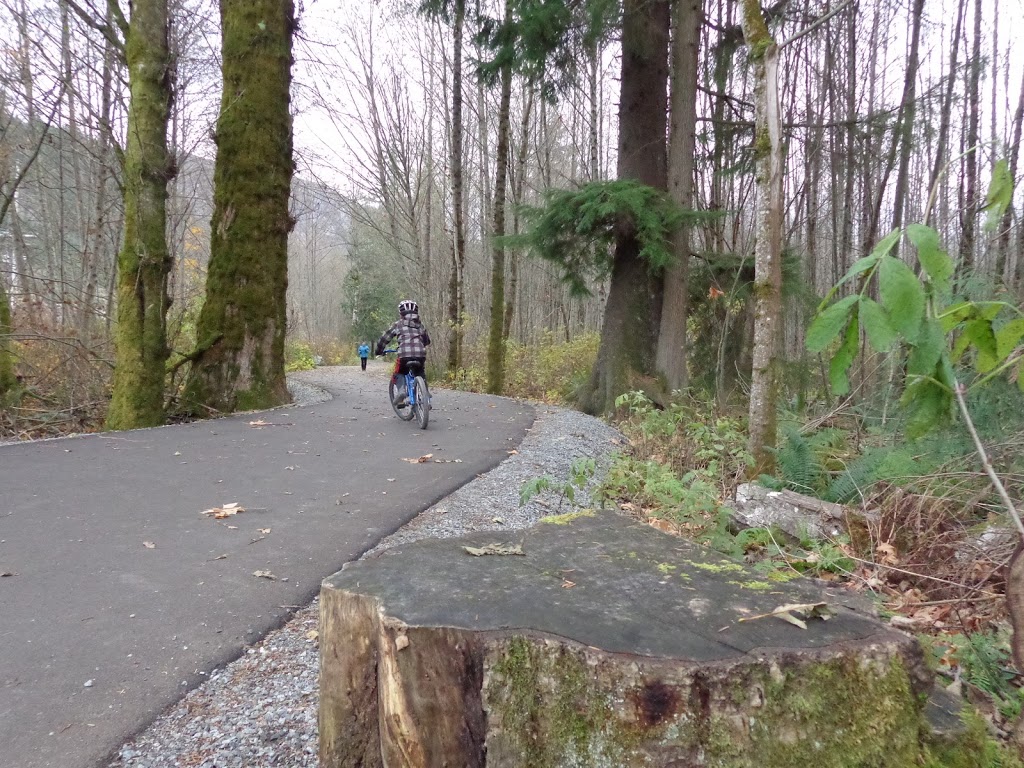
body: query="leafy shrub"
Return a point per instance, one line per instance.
(548, 370)
(298, 356)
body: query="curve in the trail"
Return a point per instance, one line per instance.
(124, 595)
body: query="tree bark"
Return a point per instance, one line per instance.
(909, 110)
(7, 378)
(1014, 152)
(140, 340)
(686, 24)
(456, 301)
(764, 55)
(496, 340)
(626, 356)
(969, 216)
(947, 107)
(248, 273)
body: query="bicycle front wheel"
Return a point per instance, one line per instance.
(422, 406)
(395, 389)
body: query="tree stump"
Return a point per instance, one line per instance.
(606, 643)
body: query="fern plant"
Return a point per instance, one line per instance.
(798, 464)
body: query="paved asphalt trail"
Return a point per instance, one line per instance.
(98, 633)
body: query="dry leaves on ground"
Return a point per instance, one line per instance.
(227, 510)
(785, 612)
(495, 549)
(420, 459)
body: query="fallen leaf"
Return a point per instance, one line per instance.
(264, 575)
(785, 612)
(420, 459)
(219, 557)
(264, 531)
(149, 545)
(258, 423)
(886, 554)
(566, 584)
(312, 634)
(401, 642)
(7, 573)
(662, 525)
(495, 549)
(498, 520)
(226, 510)
(513, 452)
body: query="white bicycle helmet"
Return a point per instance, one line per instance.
(407, 306)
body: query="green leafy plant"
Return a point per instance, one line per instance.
(581, 472)
(685, 460)
(298, 357)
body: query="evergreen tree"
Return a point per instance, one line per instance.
(629, 334)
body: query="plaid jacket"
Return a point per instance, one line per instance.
(413, 338)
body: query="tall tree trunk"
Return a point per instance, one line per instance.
(970, 211)
(241, 328)
(909, 110)
(687, 16)
(1014, 153)
(947, 106)
(496, 341)
(519, 178)
(456, 302)
(140, 341)
(7, 379)
(764, 55)
(627, 351)
(105, 172)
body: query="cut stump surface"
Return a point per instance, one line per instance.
(607, 643)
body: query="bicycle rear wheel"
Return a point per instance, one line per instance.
(422, 406)
(395, 388)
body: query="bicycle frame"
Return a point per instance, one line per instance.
(410, 381)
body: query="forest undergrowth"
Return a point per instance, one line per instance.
(925, 537)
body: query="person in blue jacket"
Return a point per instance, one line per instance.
(364, 352)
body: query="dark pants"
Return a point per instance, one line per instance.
(414, 365)
(362, 361)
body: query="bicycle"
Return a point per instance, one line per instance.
(417, 395)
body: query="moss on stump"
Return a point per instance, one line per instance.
(608, 644)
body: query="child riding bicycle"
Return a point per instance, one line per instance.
(413, 340)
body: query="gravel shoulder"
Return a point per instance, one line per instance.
(261, 710)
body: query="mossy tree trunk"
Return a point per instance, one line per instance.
(140, 339)
(764, 54)
(496, 340)
(241, 327)
(628, 336)
(7, 379)
(456, 301)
